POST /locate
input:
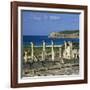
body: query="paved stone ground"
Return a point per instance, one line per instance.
(46, 68)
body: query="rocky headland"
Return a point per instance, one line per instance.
(65, 34)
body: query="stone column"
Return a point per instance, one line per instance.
(52, 50)
(25, 57)
(43, 51)
(43, 45)
(60, 52)
(65, 44)
(70, 44)
(32, 51)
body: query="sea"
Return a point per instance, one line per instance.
(37, 40)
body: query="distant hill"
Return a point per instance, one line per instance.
(65, 34)
(69, 32)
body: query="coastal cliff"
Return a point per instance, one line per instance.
(65, 34)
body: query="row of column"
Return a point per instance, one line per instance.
(44, 51)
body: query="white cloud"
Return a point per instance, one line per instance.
(37, 18)
(54, 17)
(45, 17)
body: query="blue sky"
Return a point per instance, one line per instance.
(43, 23)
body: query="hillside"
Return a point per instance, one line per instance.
(65, 34)
(69, 32)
